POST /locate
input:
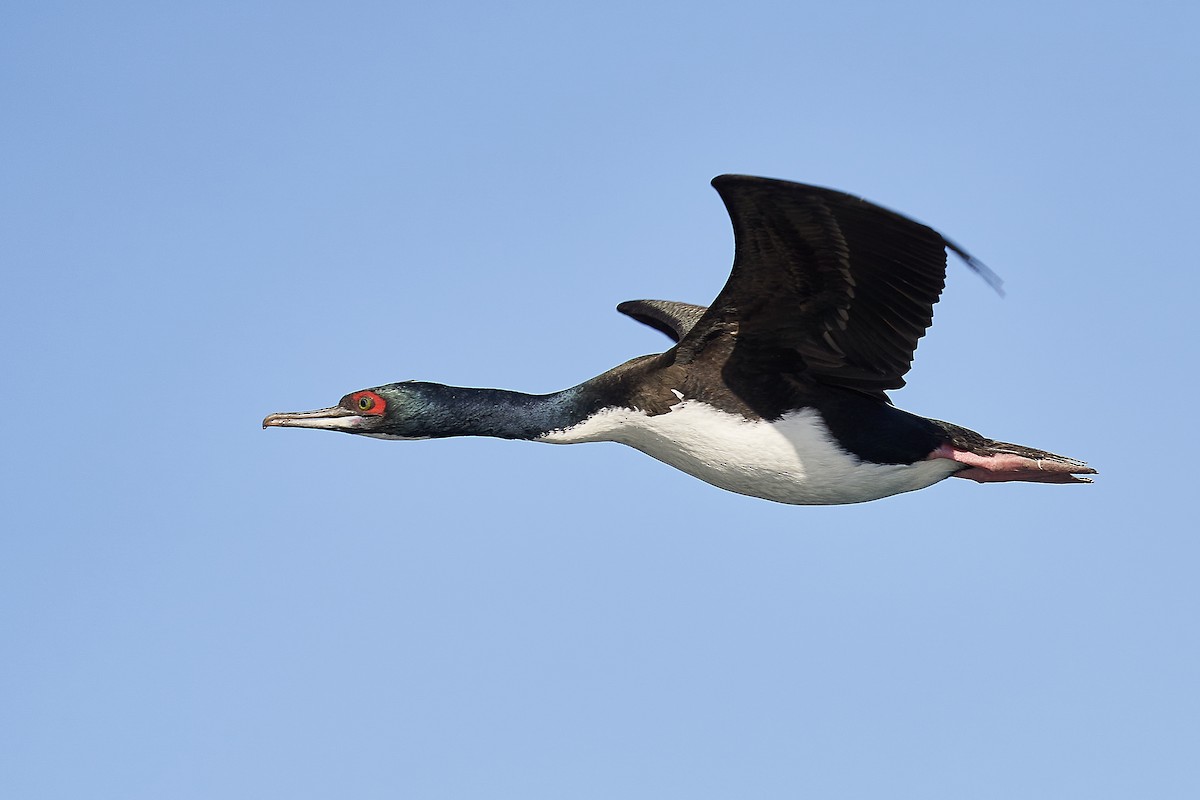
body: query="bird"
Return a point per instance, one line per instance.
(777, 389)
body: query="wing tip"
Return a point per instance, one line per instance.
(629, 307)
(978, 267)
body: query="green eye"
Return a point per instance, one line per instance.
(365, 403)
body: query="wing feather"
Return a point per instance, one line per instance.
(846, 285)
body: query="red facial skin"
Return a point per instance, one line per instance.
(368, 404)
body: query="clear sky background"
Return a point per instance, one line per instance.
(210, 212)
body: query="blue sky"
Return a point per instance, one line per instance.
(211, 212)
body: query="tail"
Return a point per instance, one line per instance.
(989, 461)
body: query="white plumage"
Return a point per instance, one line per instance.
(793, 460)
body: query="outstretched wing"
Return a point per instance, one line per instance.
(672, 318)
(842, 284)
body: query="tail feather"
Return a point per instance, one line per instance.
(989, 461)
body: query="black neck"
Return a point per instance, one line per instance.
(436, 410)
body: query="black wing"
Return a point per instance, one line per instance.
(846, 286)
(672, 318)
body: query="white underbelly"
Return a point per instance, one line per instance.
(792, 460)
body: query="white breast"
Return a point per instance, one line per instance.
(792, 460)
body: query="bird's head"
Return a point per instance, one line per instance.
(394, 411)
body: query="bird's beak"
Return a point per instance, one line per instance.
(330, 419)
